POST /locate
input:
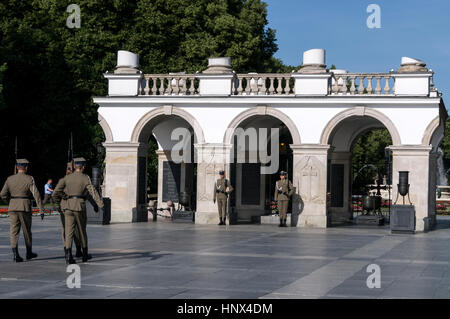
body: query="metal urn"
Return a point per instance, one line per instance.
(403, 183)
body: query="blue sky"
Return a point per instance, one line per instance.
(413, 28)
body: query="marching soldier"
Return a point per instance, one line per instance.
(18, 190)
(72, 189)
(222, 188)
(283, 191)
(61, 208)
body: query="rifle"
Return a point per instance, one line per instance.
(15, 152)
(70, 153)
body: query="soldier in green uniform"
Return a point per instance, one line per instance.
(61, 207)
(283, 191)
(71, 191)
(18, 190)
(222, 188)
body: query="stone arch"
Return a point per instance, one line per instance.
(430, 130)
(360, 111)
(167, 110)
(106, 129)
(262, 110)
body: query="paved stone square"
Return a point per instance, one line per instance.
(178, 260)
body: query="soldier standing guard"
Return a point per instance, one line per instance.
(283, 191)
(18, 190)
(72, 189)
(61, 207)
(222, 188)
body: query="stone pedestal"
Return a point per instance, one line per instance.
(122, 177)
(309, 203)
(416, 160)
(217, 79)
(211, 158)
(312, 84)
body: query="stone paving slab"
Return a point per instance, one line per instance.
(174, 260)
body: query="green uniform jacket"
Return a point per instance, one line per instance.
(222, 185)
(284, 186)
(21, 185)
(75, 184)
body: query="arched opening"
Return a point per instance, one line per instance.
(439, 192)
(260, 150)
(359, 171)
(166, 167)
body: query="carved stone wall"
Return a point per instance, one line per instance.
(309, 206)
(211, 158)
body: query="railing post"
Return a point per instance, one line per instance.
(312, 78)
(218, 78)
(126, 79)
(412, 78)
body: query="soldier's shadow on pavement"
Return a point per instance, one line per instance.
(113, 256)
(297, 207)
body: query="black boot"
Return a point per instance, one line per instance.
(30, 254)
(65, 253)
(284, 223)
(281, 223)
(69, 257)
(224, 221)
(16, 257)
(79, 252)
(86, 256)
(221, 221)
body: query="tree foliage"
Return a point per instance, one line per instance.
(54, 71)
(369, 148)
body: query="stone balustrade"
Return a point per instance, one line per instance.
(263, 84)
(362, 83)
(312, 79)
(269, 84)
(169, 84)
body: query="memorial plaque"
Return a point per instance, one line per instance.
(337, 185)
(142, 180)
(171, 181)
(251, 184)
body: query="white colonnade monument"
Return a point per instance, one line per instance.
(317, 113)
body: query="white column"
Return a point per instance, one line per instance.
(416, 160)
(121, 180)
(211, 158)
(161, 158)
(310, 181)
(432, 188)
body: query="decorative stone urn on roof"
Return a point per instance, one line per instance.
(313, 61)
(409, 65)
(127, 63)
(219, 66)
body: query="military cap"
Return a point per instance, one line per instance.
(283, 173)
(221, 172)
(22, 162)
(79, 160)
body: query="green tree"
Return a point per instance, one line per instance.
(2, 72)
